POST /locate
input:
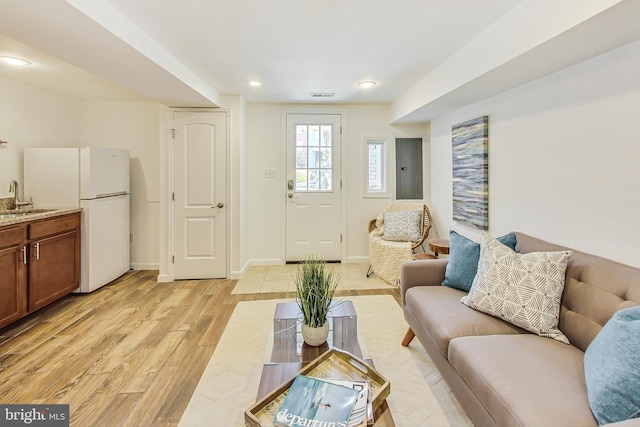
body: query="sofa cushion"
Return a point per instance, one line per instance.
(524, 289)
(612, 368)
(595, 289)
(443, 318)
(463, 259)
(524, 380)
(402, 226)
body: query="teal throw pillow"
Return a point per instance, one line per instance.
(464, 255)
(612, 368)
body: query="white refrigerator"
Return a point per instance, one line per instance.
(96, 180)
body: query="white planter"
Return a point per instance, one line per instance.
(315, 336)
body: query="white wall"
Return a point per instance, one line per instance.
(563, 158)
(237, 194)
(266, 196)
(516, 49)
(137, 127)
(31, 117)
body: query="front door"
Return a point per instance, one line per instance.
(313, 194)
(200, 220)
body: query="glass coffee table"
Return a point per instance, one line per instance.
(290, 353)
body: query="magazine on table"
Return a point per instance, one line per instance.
(362, 413)
(312, 400)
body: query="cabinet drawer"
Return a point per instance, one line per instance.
(54, 226)
(12, 236)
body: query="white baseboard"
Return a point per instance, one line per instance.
(265, 261)
(357, 260)
(236, 275)
(163, 278)
(144, 266)
(279, 261)
(239, 274)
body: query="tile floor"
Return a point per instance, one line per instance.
(278, 278)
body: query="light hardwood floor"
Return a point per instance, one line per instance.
(128, 354)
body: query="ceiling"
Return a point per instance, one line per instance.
(188, 53)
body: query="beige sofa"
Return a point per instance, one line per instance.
(505, 376)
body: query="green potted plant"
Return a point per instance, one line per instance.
(315, 287)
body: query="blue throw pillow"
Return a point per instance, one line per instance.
(612, 368)
(464, 255)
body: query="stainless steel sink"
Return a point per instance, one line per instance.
(22, 212)
(5, 216)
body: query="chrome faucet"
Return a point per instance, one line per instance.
(13, 188)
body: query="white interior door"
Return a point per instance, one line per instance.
(200, 241)
(314, 184)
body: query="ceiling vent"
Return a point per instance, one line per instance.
(322, 95)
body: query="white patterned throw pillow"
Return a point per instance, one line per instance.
(402, 226)
(522, 289)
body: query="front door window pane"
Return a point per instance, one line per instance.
(301, 180)
(325, 158)
(301, 135)
(314, 135)
(314, 158)
(314, 180)
(301, 157)
(325, 179)
(325, 134)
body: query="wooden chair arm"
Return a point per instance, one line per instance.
(427, 220)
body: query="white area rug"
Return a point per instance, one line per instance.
(419, 396)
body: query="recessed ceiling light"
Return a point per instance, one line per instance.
(367, 84)
(255, 83)
(18, 62)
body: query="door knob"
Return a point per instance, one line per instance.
(290, 195)
(219, 205)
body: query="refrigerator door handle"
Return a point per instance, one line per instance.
(119, 193)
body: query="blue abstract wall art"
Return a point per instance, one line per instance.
(470, 150)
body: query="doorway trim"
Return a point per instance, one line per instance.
(167, 168)
(283, 160)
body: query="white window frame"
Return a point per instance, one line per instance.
(367, 141)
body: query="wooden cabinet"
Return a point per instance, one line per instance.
(54, 261)
(12, 276)
(40, 263)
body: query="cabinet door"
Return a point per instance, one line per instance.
(54, 268)
(11, 283)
